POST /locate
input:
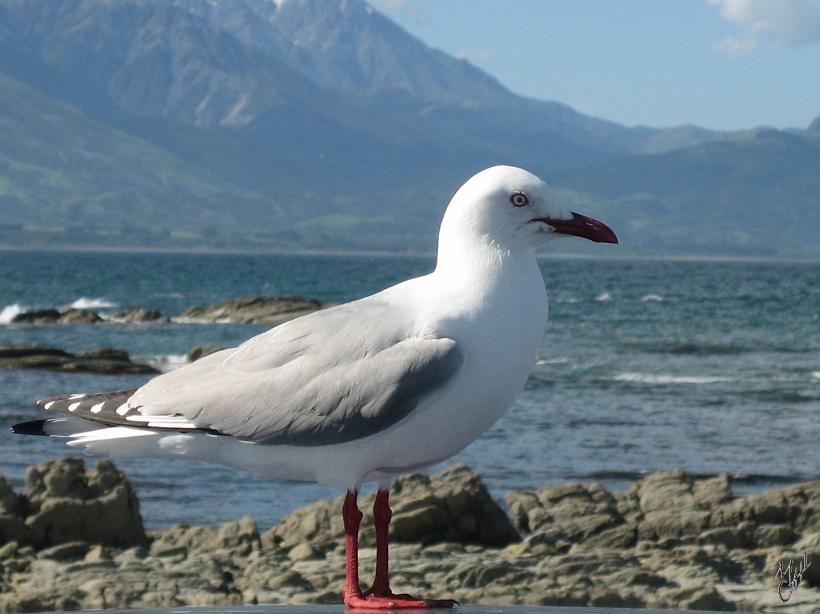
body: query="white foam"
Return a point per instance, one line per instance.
(165, 362)
(816, 374)
(10, 311)
(551, 361)
(648, 378)
(189, 320)
(604, 296)
(653, 297)
(92, 303)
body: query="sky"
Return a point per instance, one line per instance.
(722, 64)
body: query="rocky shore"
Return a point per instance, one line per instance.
(103, 361)
(75, 539)
(253, 310)
(269, 310)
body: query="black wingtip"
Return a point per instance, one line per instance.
(35, 427)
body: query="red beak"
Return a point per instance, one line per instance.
(581, 226)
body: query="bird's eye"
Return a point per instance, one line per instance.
(519, 199)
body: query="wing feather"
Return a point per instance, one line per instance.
(329, 377)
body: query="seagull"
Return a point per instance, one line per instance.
(364, 391)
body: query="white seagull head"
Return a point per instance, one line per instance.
(512, 209)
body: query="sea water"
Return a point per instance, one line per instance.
(707, 366)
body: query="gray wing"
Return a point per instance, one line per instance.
(329, 377)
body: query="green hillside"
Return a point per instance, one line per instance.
(757, 192)
(323, 125)
(64, 174)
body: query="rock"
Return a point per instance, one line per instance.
(10, 502)
(453, 506)
(241, 536)
(32, 357)
(254, 310)
(107, 354)
(301, 560)
(769, 535)
(78, 316)
(674, 524)
(302, 552)
(741, 536)
(54, 316)
(69, 551)
(706, 599)
(8, 549)
(67, 504)
(181, 539)
(142, 314)
(13, 529)
(308, 524)
(104, 361)
(575, 510)
(37, 316)
(289, 579)
(201, 352)
(665, 491)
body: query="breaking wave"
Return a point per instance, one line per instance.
(166, 362)
(9, 312)
(92, 303)
(649, 378)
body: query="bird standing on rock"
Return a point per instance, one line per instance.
(366, 390)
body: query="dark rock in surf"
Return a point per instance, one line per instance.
(37, 316)
(201, 352)
(78, 316)
(141, 315)
(254, 310)
(54, 316)
(103, 361)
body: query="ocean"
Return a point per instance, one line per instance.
(708, 366)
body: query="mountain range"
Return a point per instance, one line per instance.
(312, 124)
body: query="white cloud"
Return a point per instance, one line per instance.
(782, 22)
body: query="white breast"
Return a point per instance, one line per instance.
(499, 327)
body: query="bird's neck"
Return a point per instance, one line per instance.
(481, 264)
(466, 247)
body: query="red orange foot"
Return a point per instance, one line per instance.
(396, 602)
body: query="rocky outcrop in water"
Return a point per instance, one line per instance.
(104, 361)
(269, 310)
(253, 310)
(54, 316)
(141, 315)
(201, 351)
(670, 541)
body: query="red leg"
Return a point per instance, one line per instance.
(381, 520)
(352, 518)
(379, 596)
